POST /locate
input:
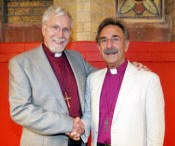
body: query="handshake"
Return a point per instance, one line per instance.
(77, 129)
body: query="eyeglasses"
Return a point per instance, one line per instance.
(56, 28)
(113, 40)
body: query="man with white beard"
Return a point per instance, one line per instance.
(47, 86)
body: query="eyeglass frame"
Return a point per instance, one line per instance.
(114, 39)
(56, 28)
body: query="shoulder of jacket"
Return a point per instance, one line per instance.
(27, 54)
(98, 73)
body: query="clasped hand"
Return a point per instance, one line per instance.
(77, 129)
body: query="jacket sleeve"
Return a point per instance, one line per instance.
(89, 69)
(87, 113)
(24, 112)
(155, 113)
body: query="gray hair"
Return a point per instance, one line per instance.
(59, 11)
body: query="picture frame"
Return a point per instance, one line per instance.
(140, 10)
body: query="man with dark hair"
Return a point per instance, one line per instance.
(123, 106)
(47, 86)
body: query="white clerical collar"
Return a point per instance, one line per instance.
(58, 54)
(113, 71)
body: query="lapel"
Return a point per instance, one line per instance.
(97, 87)
(125, 90)
(49, 76)
(77, 74)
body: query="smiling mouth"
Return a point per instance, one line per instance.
(111, 51)
(59, 41)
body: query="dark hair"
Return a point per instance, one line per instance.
(111, 21)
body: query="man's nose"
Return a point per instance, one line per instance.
(60, 33)
(109, 43)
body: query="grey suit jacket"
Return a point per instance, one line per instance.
(36, 100)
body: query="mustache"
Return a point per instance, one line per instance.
(111, 51)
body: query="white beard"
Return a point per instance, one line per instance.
(60, 47)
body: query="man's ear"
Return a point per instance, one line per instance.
(43, 27)
(98, 46)
(126, 45)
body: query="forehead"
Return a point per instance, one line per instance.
(111, 30)
(59, 20)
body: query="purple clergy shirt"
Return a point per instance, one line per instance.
(66, 79)
(108, 99)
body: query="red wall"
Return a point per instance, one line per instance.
(158, 56)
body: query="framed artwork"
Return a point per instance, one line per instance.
(140, 9)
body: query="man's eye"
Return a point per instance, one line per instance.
(103, 40)
(115, 39)
(55, 27)
(66, 30)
